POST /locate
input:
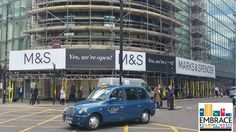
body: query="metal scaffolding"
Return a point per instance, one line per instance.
(148, 25)
(198, 44)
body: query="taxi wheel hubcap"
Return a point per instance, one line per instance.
(145, 117)
(93, 122)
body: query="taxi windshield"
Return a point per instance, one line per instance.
(99, 94)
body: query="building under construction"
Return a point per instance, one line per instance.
(198, 21)
(163, 29)
(148, 25)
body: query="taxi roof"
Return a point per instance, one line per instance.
(116, 86)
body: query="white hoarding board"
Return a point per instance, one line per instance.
(37, 59)
(194, 68)
(132, 61)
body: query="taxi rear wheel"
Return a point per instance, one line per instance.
(93, 122)
(145, 117)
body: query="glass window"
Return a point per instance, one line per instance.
(17, 9)
(10, 31)
(4, 13)
(3, 32)
(22, 27)
(99, 94)
(23, 44)
(2, 51)
(131, 94)
(15, 45)
(146, 87)
(117, 94)
(16, 30)
(23, 7)
(142, 94)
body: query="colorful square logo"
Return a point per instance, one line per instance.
(215, 117)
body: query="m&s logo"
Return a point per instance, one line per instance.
(215, 117)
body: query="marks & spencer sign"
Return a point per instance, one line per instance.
(37, 59)
(194, 68)
(132, 61)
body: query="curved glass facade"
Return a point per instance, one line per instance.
(220, 37)
(183, 49)
(13, 24)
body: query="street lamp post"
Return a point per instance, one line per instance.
(2, 74)
(121, 41)
(54, 83)
(3, 71)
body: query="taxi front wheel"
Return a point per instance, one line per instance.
(93, 122)
(145, 117)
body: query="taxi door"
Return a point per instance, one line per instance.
(114, 110)
(132, 105)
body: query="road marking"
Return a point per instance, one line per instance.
(7, 112)
(8, 126)
(34, 120)
(126, 128)
(49, 120)
(175, 127)
(149, 128)
(192, 107)
(57, 110)
(40, 123)
(27, 129)
(11, 111)
(23, 116)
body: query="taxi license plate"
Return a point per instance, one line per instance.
(68, 121)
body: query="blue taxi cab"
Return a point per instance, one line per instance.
(110, 104)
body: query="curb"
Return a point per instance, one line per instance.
(175, 108)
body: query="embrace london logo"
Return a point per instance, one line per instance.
(215, 117)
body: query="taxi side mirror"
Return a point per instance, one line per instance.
(111, 100)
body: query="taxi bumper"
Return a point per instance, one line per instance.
(77, 120)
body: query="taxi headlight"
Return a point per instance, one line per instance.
(82, 110)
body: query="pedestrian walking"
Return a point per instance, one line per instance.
(170, 98)
(157, 97)
(62, 96)
(32, 99)
(161, 93)
(217, 91)
(72, 93)
(21, 93)
(36, 97)
(91, 89)
(80, 93)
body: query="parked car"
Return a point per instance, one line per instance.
(232, 92)
(127, 81)
(110, 104)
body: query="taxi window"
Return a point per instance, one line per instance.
(146, 87)
(131, 94)
(142, 94)
(117, 94)
(99, 94)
